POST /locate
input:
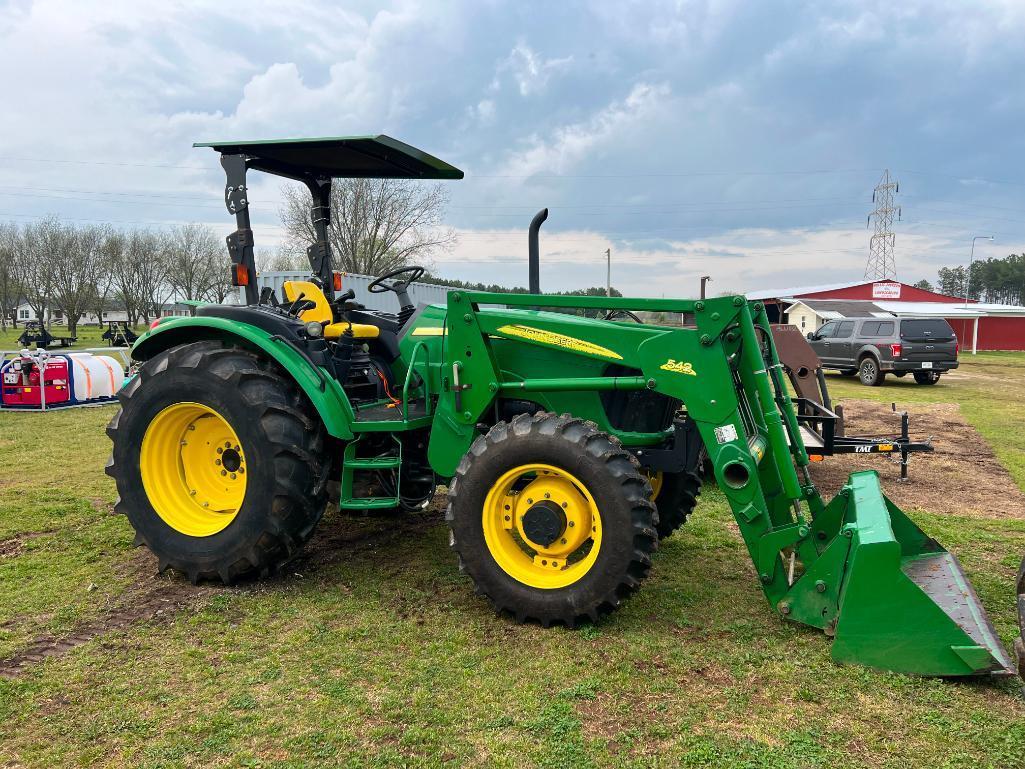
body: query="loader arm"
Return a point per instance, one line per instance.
(856, 568)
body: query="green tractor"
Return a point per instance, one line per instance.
(570, 439)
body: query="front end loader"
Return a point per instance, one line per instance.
(569, 436)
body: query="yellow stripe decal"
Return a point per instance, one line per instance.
(558, 340)
(429, 331)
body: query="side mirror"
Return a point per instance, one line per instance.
(811, 336)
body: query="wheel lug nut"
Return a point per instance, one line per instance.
(227, 444)
(233, 476)
(220, 450)
(217, 461)
(547, 495)
(224, 472)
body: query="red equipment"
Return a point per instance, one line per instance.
(21, 383)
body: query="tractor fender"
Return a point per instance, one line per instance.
(323, 391)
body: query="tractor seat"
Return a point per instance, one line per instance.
(322, 311)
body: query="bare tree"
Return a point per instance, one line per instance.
(122, 274)
(111, 242)
(10, 289)
(192, 257)
(76, 268)
(138, 273)
(285, 259)
(154, 288)
(36, 264)
(377, 224)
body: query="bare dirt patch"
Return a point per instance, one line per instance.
(153, 596)
(12, 546)
(962, 476)
(149, 596)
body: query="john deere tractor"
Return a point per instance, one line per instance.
(569, 436)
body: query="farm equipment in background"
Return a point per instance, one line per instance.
(821, 425)
(570, 445)
(119, 334)
(41, 380)
(36, 333)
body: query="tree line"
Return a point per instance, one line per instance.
(54, 265)
(996, 281)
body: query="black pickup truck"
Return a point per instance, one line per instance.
(874, 347)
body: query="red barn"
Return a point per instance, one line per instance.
(978, 326)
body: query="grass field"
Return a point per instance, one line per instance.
(372, 650)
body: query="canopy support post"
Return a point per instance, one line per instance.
(240, 242)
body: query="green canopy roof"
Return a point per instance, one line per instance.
(377, 157)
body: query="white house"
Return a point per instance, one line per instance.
(810, 314)
(24, 312)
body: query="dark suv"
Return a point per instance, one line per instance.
(874, 347)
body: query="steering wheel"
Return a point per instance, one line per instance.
(617, 314)
(380, 287)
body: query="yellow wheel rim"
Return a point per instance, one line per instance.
(193, 469)
(655, 479)
(533, 498)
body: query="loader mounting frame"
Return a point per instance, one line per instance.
(857, 568)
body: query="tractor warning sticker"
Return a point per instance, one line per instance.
(559, 340)
(726, 433)
(679, 366)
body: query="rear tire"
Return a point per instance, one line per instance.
(186, 394)
(869, 372)
(491, 524)
(927, 377)
(676, 499)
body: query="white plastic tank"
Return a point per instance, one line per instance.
(94, 376)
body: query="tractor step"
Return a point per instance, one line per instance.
(369, 503)
(376, 463)
(353, 464)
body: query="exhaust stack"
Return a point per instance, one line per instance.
(533, 251)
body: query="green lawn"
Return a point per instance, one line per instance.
(374, 651)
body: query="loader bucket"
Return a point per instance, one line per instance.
(905, 603)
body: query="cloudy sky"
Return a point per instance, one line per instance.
(736, 139)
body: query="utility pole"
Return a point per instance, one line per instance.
(608, 272)
(704, 280)
(971, 260)
(881, 262)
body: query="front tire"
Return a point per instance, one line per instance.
(869, 372)
(551, 520)
(218, 462)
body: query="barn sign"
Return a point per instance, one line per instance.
(886, 290)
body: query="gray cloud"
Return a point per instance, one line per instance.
(690, 137)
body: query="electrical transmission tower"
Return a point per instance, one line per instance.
(881, 263)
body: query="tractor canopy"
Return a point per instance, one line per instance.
(314, 162)
(367, 157)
